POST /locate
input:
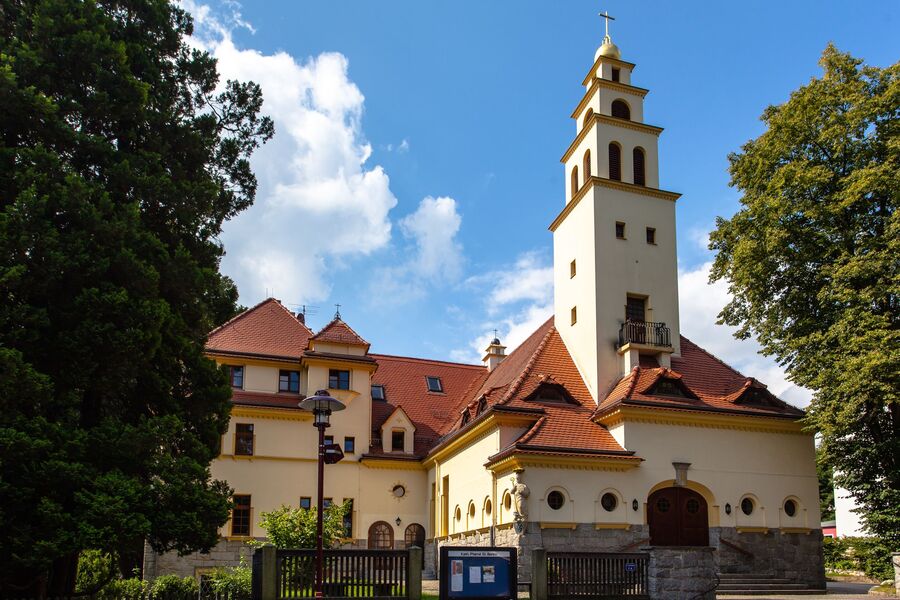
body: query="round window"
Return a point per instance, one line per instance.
(747, 506)
(609, 502)
(555, 500)
(487, 507)
(399, 491)
(662, 505)
(507, 502)
(693, 506)
(790, 508)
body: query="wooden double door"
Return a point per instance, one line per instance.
(678, 517)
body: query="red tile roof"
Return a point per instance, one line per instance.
(340, 333)
(715, 385)
(405, 386)
(267, 329)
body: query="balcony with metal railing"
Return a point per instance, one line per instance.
(645, 333)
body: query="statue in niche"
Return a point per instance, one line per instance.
(520, 493)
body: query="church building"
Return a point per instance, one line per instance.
(604, 430)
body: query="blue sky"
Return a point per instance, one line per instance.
(415, 166)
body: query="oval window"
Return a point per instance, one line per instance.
(790, 508)
(458, 514)
(555, 500)
(507, 502)
(471, 510)
(487, 507)
(399, 491)
(747, 506)
(609, 502)
(693, 506)
(662, 505)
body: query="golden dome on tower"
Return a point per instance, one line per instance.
(608, 49)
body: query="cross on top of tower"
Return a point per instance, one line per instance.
(605, 15)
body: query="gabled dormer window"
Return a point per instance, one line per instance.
(482, 405)
(758, 397)
(551, 392)
(465, 417)
(338, 379)
(398, 441)
(434, 384)
(672, 387)
(378, 392)
(237, 377)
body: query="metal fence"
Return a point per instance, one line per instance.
(381, 574)
(590, 575)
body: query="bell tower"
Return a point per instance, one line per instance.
(615, 267)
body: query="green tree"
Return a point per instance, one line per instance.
(812, 260)
(121, 156)
(826, 486)
(288, 527)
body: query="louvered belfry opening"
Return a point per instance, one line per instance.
(586, 164)
(574, 180)
(615, 161)
(620, 110)
(638, 159)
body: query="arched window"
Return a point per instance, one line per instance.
(587, 117)
(574, 180)
(638, 160)
(381, 535)
(620, 109)
(586, 165)
(615, 161)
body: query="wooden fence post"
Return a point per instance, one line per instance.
(269, 573)
(414, 573)
(539, 574)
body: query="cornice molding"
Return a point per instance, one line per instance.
(613, 61)
(598, 118)
(476, 430)
(264, 412)
(689, 418)
(610, 183)
(246, 358)
(517, 461)
(339, 362)
(373, 462)
(612, 85)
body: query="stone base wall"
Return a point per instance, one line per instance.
(682, 573)
(794, 556)
(227, 553)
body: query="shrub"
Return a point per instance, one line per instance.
(234, 582)
(870, 555)
(172, 587)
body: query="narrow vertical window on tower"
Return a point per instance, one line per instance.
(574, 315)
(638, 161)
(587, 117)
(635, 309)
(651, 235)
(586, 165)
(615, 74)
(620, 230)
(615, 161)
(574, 180)
(572, 269)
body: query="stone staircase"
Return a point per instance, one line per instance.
(760, 584)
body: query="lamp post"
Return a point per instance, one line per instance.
(321, 405)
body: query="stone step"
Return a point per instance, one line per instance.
(804, 592)
(777, 585)
(746, 576)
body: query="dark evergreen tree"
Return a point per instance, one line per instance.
(120, 159)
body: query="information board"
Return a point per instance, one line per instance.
(478, 573)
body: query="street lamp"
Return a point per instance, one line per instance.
(321, 405)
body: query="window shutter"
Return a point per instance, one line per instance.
(615, 162)
(639, 178)
(620, 110)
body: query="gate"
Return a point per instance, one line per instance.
(596, 575)
(382, 574)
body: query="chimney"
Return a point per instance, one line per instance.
(494, 354)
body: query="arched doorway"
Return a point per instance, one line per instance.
(678, 516)
(415, 536)
(381, 536)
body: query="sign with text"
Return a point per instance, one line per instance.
(478, 573)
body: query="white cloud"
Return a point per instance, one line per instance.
(700, 303)
(522, 292)
(435, 257)
(317, 201)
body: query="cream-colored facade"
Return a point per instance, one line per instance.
(476, 481)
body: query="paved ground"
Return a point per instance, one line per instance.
(837, 590)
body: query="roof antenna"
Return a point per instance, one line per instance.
(337, 311)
